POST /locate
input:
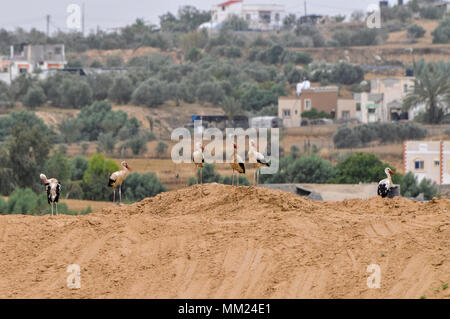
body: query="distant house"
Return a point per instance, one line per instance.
(384, 101)
(322, 98)
(428, 159)
(346, 109)
(32, 58)
(258, 16)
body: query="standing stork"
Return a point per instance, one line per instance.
(117, 178)
(198, 159)
(53, 188)
(386, 184)
(257, 159)
(237, 165)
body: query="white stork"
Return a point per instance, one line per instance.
(53, 188)
(385, 184)
(198, 159)
(257, 159)
(117, 178)
(237, 165)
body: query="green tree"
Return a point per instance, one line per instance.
(235, 23)
(95, 179)
(150, 93)
(106, 143)
(415, 31)
(442, 33)
(121, 90)
(431, 88)
(28, 150)
(58, 166)
(138, 145)
(34, 97)
(361, 168)
(139, 186)
(114, 60)
(161, 148)
(78, 165)
(75, 93)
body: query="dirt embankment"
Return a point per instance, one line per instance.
(224, 242)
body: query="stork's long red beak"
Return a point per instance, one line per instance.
(392, 172)
(129, 168)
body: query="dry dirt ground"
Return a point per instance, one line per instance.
(224, 242)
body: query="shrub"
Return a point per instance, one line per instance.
(415, 31)
(442, 33)
(150, 93)
(361, 168)
(22, 201)
(139, 186)
(409, 187)
(35, 97)
(78, 165)
(75, 93)
(138, 145)
(114, 60)
(106, 143)
(121, 90)
(95, 179)
(161, 149)
(430, 12)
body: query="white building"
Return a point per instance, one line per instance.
(32, 58)
(259, 16)
(428, 159)
(385, 99)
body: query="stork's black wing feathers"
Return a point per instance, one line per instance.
(241, 168)
(382, 190)
(58, 192)
(263, 162)
(49, 197)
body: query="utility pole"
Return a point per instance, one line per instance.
(82, 18)
(305, 10)
(48, 26)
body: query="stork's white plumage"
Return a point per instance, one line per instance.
(257, 159)
(385, 184)
(198, 159)
(237, 165)
(53, 188)
(117, 178)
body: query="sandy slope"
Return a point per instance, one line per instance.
(231, 242)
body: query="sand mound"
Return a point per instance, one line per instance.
(224, 242)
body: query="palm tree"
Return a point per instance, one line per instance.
(431, 88)
(231, 107)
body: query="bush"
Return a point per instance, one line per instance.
(114, 60)
(161, 149)
(22, 201)
(78, 165)
(34, 97)
(415, 31)
(58, 166)
(3, 206)
(138, 145)
(194, 55)
(361, 168)
(106, 143)
(347, 73)
(139, 186)
(150, 93)
(442, 33)
(100, 85)
(431, 12)
(361, 135)
(121, 90)
(95, 179)
(410, 188)
(75, 93)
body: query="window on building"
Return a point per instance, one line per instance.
(248, 16)
(436, 162)
(358, 106)
(264, 16)
(296, 112)
(58, 50)
(405, 88)
(372, 111)
(277, 17)
(419, 164)
(23, 70)
(286, 113)
(308, 105)
(345, 115)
